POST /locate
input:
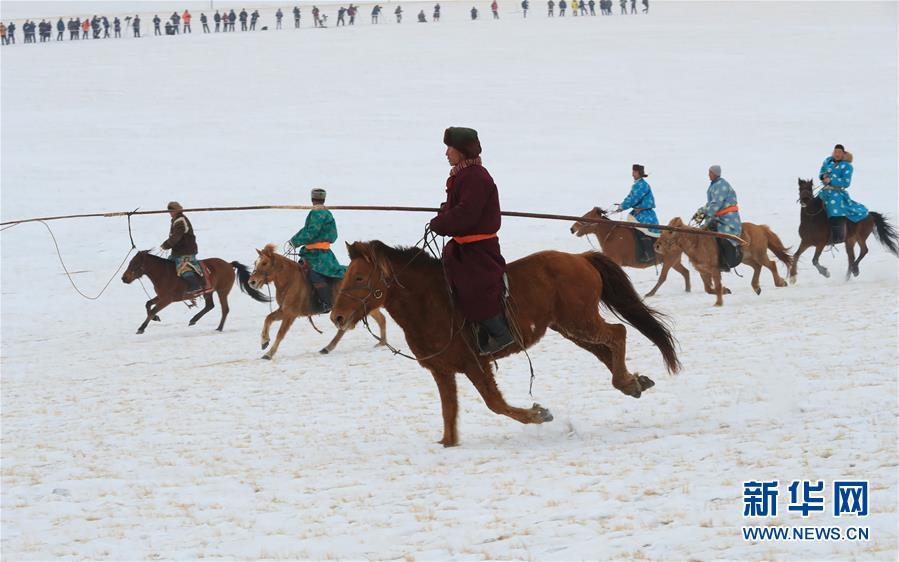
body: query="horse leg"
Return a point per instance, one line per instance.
(662, 277)
(276, 315)
(679, 267)
(223, 300)
(803, 246)
(719, 289)
(632, 385)
(772, 265)
(209, 305)
(850, 255)
(863, 245)
(756, 272)
(286, 323)
(333, 343)
(160, 304)
(821, 269)
(449, 407)
(484, 381)
(149, 305)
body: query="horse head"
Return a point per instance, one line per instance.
(806, 192)
(367, 281)
(580, 228)
(264, 268)
(136, 267)
(669, 240)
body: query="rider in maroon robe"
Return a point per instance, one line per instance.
(472, 259)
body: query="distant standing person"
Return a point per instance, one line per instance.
(399, 14)
(340, 13)
(474, 13)
(552, 8)
(574, 8)
(422, 18)
(279, 15)
(243, 20)
(156, 23)
(105, 27)
(375, 12)
(623, 4)
(645, 6)
(633, 6)
(583, 6)
(11, 33)
(436, 13)
(117, 27)
(254, 17)
(135, 25)
(494, 7)
(524, 7)
(176, 22)
(562, 6)
(186, 17)
(60, 29)
(351, 12)
(592, 5)
(85, 28)
(296, 17)
(217, 18)
(3, 34)
(316, 18)
(205, 21)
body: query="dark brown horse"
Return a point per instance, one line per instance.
(814, 230)
(617, 242)
(171, 288)
(549, 289)
(293, 293)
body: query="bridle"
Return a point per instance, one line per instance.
(805, 197)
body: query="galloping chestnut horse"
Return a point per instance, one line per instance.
(703, 254)
(171, 288)
(814, 230)
(548, 289)
(293, 293)
(618, 244)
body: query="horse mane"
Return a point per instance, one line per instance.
(411, 257)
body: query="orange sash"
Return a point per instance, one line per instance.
(319, 246)
(724, 211)
(473, 238)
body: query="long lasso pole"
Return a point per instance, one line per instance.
(381, 208)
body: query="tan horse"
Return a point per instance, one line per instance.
(552, 290)
(618, 243)
(703, 254)
(293, 293)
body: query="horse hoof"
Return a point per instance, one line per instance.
(543, 414)
(192, 323)
(645, 382)
(264, 344)
(758, 290)
(140, 331)
(825, 273)
(156, 319)
(267, 357)
(726, 291)
(324, 351)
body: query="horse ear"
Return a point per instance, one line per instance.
(259, 252)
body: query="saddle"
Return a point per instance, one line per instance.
(315, 296)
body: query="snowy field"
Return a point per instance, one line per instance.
(182, 444)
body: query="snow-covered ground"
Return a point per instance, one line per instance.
(182, 444)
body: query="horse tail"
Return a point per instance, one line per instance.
(886, 233)
(777, 247)
(622, 299)
(243, 276)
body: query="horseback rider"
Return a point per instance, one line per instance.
(836, 175)
(183, 245)
(721, 214)
(472, 260)
(316, 237)
(642, 205)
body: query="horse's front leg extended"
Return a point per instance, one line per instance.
(286, 322)
(821, 269)
(149, 305)
(276, 315)
(160, 304)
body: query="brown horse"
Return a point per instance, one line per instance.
(618, 244)
(293, 293)
(703, 254)
(547, 290)
(171, 288)
(814, 230)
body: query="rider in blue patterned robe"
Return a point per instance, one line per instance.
(642, 205)
(836, 175)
